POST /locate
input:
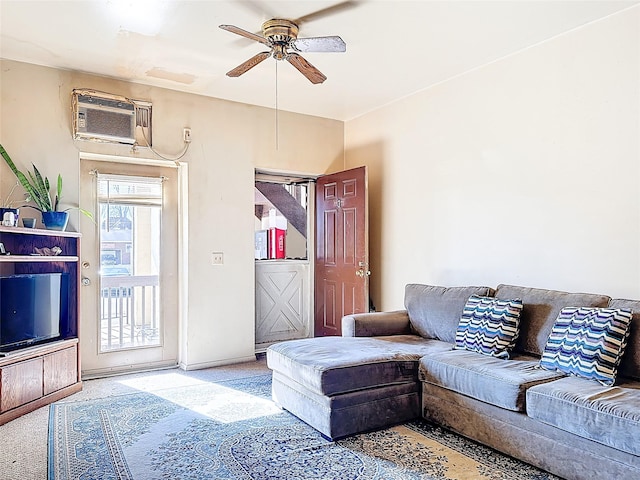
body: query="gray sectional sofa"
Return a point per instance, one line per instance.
(391, 367)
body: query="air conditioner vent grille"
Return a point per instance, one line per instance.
(106, 123)
(105, 117)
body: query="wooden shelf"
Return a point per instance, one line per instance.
(38, 231)
(21, 244)
(37, 258)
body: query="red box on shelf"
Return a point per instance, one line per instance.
(276, 243)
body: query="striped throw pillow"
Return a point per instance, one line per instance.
(489, 326)
(588, 342)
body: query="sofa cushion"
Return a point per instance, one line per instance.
(434, 312)
(492, 380)
(608, 415)
(588, 342)
(541, 308)
(630, 364)
(489, 326)
(335, 365)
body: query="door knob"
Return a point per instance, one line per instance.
(86, 281)
(363, 273)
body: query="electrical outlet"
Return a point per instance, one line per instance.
(186, 135)
(217, 258)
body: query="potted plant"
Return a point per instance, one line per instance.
(38, 189)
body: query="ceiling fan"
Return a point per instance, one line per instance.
(281, 36)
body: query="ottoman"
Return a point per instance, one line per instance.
(346, 385)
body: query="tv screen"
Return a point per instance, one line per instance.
(32, 307)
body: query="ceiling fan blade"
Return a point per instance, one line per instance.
(314, 75)
(244, 33)
(320, 44)
(325, 12)
(249, 64)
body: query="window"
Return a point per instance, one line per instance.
(130, 227)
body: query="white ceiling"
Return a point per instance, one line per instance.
(394, 48)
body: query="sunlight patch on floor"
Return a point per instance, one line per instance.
(151, 383)
(215, 401)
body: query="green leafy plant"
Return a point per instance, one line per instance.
(38, 188)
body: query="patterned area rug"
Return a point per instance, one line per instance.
(232, 430)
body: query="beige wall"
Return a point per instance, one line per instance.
(524, 171)
(229, 141)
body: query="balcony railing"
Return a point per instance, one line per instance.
(130, 312)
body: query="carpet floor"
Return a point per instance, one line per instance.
(198, 429)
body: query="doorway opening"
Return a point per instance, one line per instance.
(283, 218)
(130, 265)
(309, 296)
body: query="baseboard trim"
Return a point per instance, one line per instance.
(114, 371)
(217, 363)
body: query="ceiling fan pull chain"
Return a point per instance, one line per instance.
(277, 129)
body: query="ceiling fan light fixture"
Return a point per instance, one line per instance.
(281, 36)
(279, 51)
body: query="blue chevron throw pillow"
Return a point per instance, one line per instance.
(489, 326)
(588, 342)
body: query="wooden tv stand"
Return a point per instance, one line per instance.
(38, 375)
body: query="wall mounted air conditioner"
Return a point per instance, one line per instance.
(110, 118)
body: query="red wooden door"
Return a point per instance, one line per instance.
(342, 250)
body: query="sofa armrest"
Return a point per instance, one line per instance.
(376, 324)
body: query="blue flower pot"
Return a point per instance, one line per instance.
(55, 220)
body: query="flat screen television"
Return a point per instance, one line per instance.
(32, 308)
